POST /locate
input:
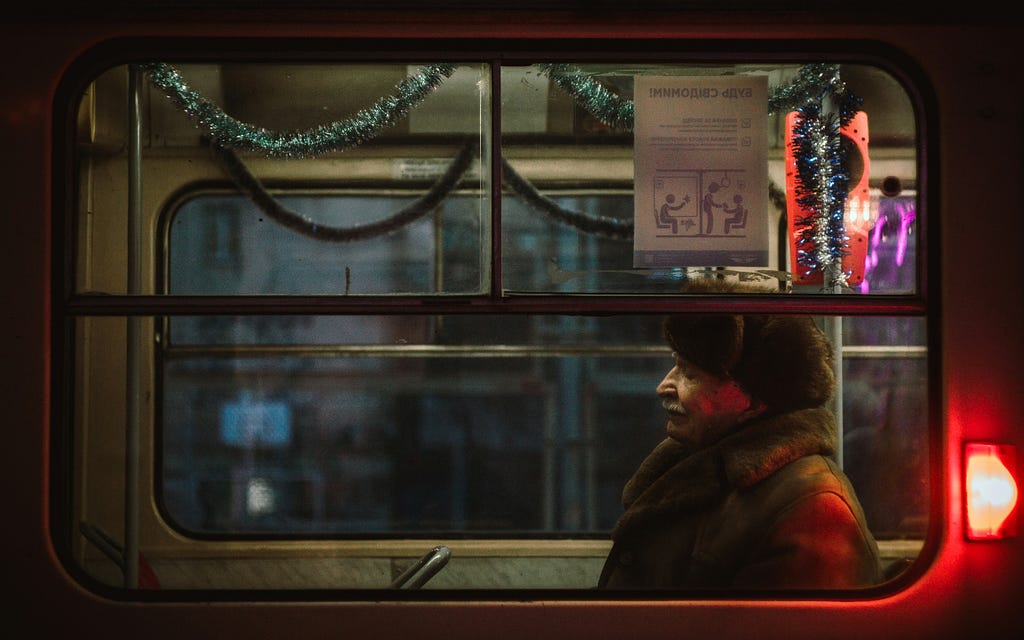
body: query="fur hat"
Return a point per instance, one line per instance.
(783, 361)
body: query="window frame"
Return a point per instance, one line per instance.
(70, 305)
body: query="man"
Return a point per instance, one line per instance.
(743, 493)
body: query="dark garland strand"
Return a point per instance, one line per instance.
(250, 185)
(226, 131)
(849, 105)
(777, 196)
(614, 228)
(599, 225)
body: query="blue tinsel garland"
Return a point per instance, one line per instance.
(822, 184)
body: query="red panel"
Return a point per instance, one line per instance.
(859, 217)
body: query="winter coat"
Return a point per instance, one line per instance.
(765, 507)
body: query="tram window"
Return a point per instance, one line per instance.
(496, 443)
(347, 364)
(338, 441)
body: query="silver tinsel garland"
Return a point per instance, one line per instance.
(822, 174)
(823, 180)
(812, 81)
(226, 131)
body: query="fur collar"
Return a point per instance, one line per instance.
(675, 478)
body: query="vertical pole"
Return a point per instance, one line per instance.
(590, 457)
(133, 332)
(834, 324)
(834, 331)
(494, 153)
(549, 465)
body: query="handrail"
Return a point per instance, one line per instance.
(418, 573)
(102, 540)
(145, 577)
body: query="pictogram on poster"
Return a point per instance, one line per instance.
(701, 172)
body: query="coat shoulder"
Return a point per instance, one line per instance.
(812, 490)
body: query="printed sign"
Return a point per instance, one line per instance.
(700, 171)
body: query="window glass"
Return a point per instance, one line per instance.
(321, 438)
(241, 250)
(584, 122)
(418, 133)
(484, 444)
(885, 439)
(505, 438)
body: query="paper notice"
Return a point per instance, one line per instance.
(701, 171)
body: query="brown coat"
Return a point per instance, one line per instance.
(765, 507)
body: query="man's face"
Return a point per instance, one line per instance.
(702, 407)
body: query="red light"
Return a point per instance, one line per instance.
(991, 490)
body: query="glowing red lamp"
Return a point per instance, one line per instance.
(990, 487)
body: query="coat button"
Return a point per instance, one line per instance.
(626, 558)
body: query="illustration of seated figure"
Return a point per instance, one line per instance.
(738, 217)
(664, 218)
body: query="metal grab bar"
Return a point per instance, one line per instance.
(418, 573)
(145, 578)
(102, 540)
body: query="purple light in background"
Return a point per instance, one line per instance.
(908, 213)
(889, 243)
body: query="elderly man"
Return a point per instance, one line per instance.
(743, 493)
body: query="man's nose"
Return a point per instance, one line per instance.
(665, 386)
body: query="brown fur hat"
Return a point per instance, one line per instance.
(783, 361)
